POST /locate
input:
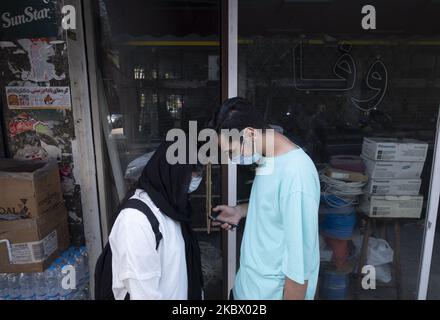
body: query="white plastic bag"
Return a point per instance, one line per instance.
(379, 252)
(383, 273)
(135, 167)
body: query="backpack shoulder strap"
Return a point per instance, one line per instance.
(145, 209)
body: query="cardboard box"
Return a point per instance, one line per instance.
(393, 169)
(393, 149)
(33, 242)
(29, 188)
(397, 187)
(345, 175)
(392, 206)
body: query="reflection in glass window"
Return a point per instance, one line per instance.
(174, 105)
(152, 64)
(142, 104)
(139, 72)
(147, 120)
(327, 85)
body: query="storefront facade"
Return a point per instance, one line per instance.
(137, 69)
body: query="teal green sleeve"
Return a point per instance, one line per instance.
(299, 213)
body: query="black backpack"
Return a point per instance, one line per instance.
(103, 269)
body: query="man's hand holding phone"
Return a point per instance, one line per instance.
(228, 217)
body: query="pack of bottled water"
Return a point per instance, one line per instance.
(67, 278)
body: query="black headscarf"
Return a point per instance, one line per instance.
(167, 186)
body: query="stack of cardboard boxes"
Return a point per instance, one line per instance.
(394, 167)
(33, 218)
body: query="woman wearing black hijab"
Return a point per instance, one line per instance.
(173, 271)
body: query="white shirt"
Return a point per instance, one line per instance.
(138, 268)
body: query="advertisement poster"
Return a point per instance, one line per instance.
(38, 97)
(27, 19)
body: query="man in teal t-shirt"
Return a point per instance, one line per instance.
(280, 247)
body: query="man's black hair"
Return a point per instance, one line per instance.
(237, 113)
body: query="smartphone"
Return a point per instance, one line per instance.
(222, 221)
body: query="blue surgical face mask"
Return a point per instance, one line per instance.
(246, 160)
(194, 184)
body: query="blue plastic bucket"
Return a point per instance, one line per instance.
(334, 286)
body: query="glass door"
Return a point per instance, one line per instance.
(329, 85)
(158, 69)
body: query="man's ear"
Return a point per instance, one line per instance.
(249, 132)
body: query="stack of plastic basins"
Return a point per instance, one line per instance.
(337, 224)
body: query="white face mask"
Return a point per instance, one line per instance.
(194, 184)
(246, 160)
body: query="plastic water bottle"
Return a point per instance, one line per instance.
(72, 293)
(4, 286)
(52, 284)
(26, 286)
(66, 255)
(58, 264)
(40, 287)
(14, 287)
(47, 285)
(75, 261)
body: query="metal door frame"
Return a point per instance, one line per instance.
(84, 146)
(430, 219)
(229, 68)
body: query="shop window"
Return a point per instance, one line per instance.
(139, 73)
(157, 86)
(174, 105)
(380, 86)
